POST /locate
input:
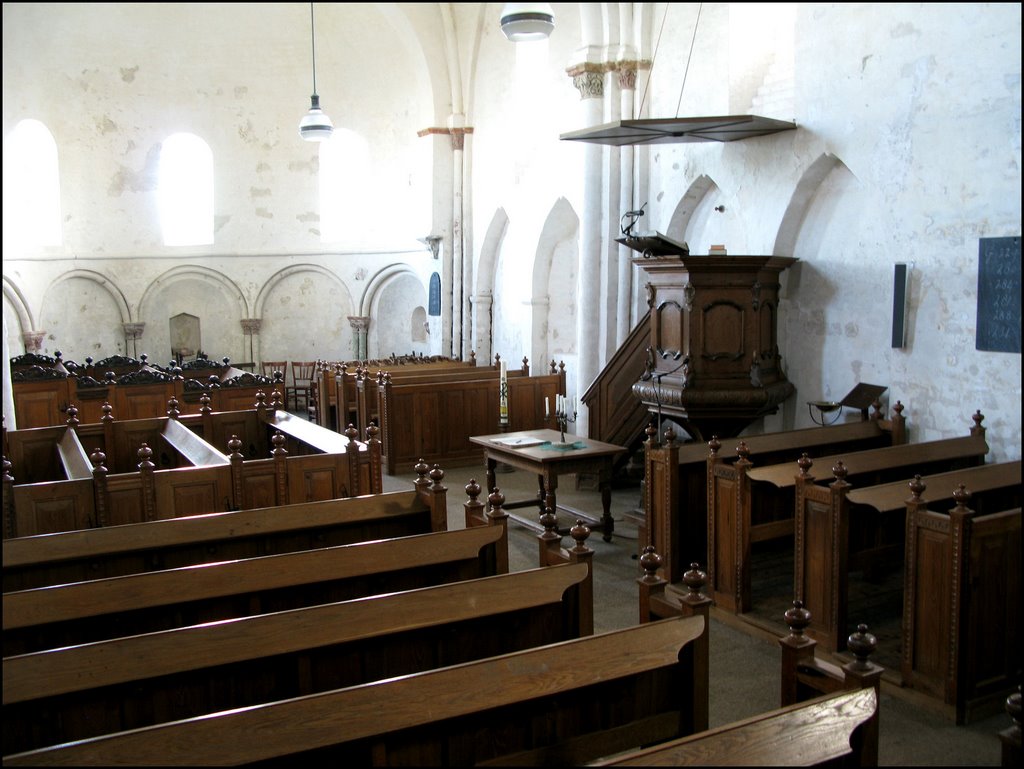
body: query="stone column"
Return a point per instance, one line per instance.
(132, 334)
(360, 324)
(10, 422)
(251, 328)
(482, 304)
(589, 81)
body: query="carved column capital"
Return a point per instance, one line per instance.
(588, 80)
(359, 322)
(33, 340)
(251, 325)
(133, 330)
(627, 72)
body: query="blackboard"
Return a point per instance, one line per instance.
(998, 295)
(435, 295)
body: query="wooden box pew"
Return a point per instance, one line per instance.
(750, 504)
(66, 500)
(676, 478)
(427, 418)
(41, 395)
(335, 383)
(81, 612)
(115, 551)
(83, 691)
(841, 529)
(549, 705)
(961, 632)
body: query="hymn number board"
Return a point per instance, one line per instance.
(998, 295)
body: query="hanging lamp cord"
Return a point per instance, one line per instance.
(688, 57)
(312, 34)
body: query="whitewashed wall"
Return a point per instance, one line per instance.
(907, 150)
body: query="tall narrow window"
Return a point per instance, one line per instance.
(186, 191)
(31, 188)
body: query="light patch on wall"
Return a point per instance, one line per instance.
(263, 213)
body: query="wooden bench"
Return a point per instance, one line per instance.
(115, 551)
(83, 691)
(961, 631)
(840, 528)
(750, 504)
(830, 730)
(676, 478)
(63, 615)
(564, 704)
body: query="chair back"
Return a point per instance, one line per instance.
(302, 372)
(268, 367)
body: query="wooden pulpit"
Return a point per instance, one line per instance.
(713, 362)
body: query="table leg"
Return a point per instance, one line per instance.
(607, 522)
(491, 463)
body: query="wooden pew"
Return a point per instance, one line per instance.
(961, 631)
(830, 730)
(307, 463)
(750, 504)
(115, 551)
(62, 615)
(676, 478)
(840, 528)
(564, 703)
(83, 691)
(432, 418)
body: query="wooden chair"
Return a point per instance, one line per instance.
(302, 384)
(268, 367)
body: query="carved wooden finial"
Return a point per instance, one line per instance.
(669, 435)
(961, 495)
(839, 470)
(805, 464)
(372, 431)
(172, 408)
(695, 580)
(862, 645)
(421, 468)
(352, 433)
(495, 500)
(579, 532)
(898, 408)
(797, 618)
(650, 431)
(549, 521)
(714, 445)
(473, 490)
(98, 458)
(235, 446)
(650, 562)
(72, 420)
(145, 455)
(7, 470)
(917, 487)
(436, 475)
(278, 440)
(108, 412)
(743, 451)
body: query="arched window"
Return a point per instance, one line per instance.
(344, 182)
(31, 188)
(186, 191)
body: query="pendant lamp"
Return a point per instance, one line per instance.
(523, 22)
(315, 126)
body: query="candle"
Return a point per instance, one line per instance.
(547, 407)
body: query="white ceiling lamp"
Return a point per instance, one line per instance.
(523, 22)
(315, 126)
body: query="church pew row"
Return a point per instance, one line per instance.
(43, 395)
(432, 418)
(115, 551)
(179, 471)
(345, 392)
(84, 691)
(82, 612)
(961, 633)
(830, 730)
(565, 703)
(676, 478)
(840, 528)
(750, 503)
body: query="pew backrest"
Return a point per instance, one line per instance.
(81, 691)
(81, 612)
(567, 703)
(114, 551)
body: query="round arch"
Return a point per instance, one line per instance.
(194, 272)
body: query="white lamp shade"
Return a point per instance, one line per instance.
(523, 22)
(315, 126)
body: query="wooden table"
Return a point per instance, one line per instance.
(537, 452)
